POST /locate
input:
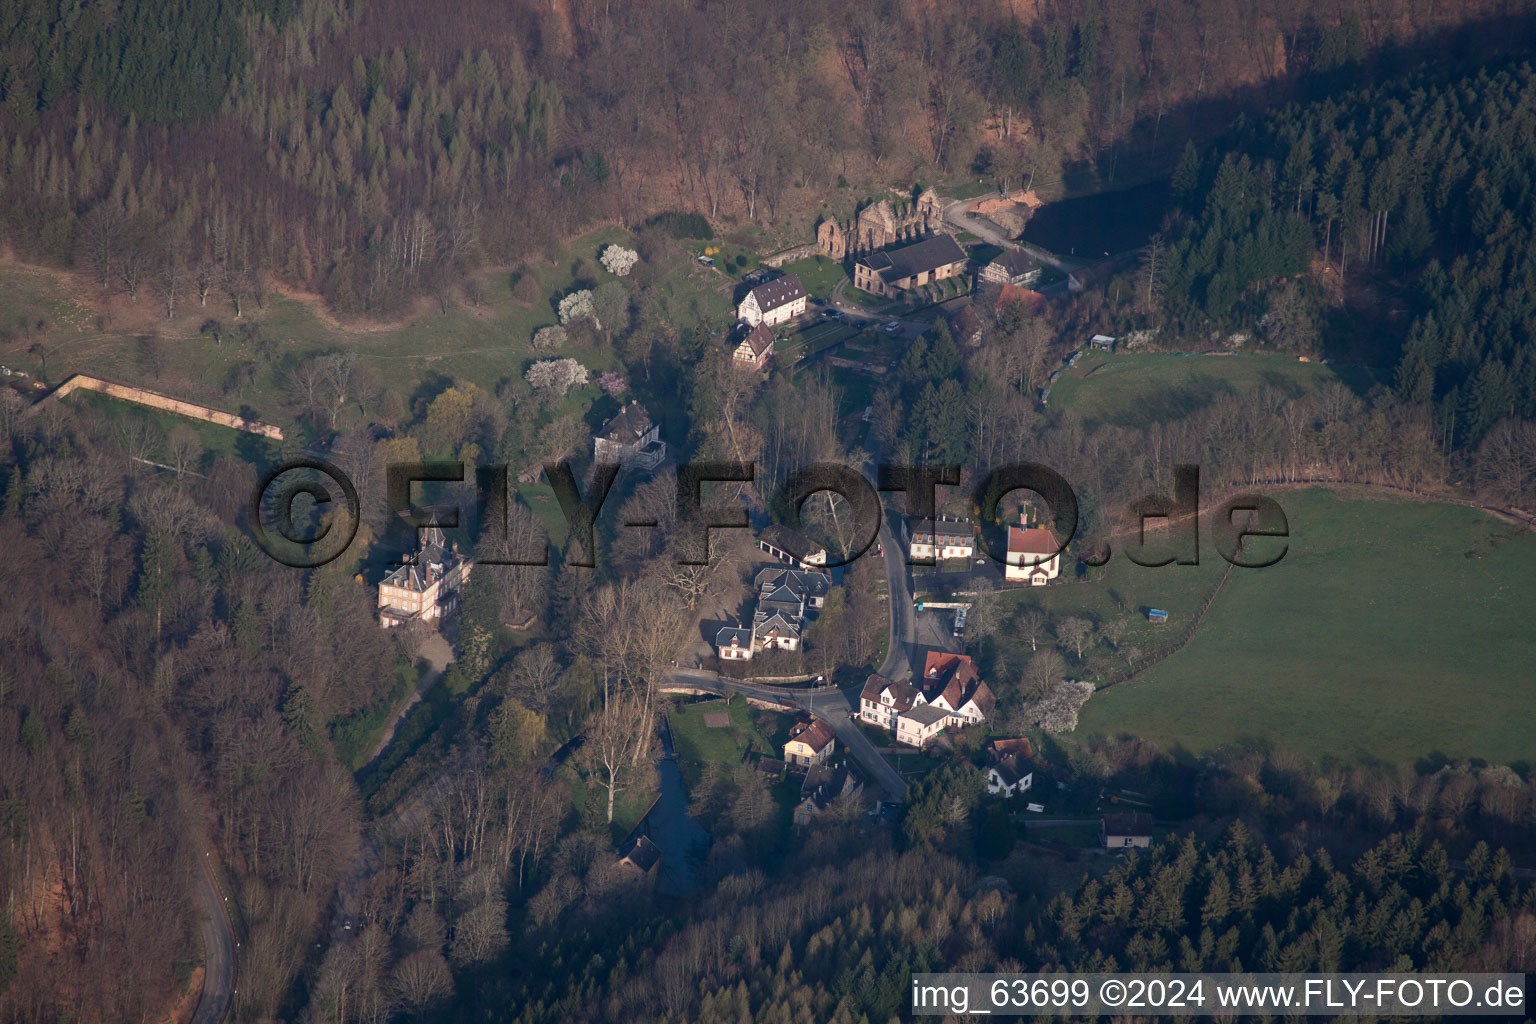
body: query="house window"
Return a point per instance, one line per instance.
(1129, 841)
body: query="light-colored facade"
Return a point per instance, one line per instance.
(893, 273)
(629, 438)
(755, 348)
(734, 644)
(810, 743)
(774, 303)
(427, 588)
(940, 539)
(1033, 555)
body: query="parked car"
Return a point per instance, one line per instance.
(892, 327)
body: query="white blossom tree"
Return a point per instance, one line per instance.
(554, 378)
(1056, 712)
(619, 261)
(547, 339)
(578, 306)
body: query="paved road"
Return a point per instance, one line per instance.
(218, 951)
(898, 655)
(957, 216)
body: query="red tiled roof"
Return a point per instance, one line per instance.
(1033, 540)
(815, 735)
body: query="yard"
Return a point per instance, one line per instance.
(819, 275)
(1131, 389)
(1391, 630)
(699, 742)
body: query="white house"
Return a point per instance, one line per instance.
(1033, 555)
(734, 644)
(1010, 776)
(629, 438)
(755, 349)
(781, 299)
(940, 539)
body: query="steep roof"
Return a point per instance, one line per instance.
(1010, 769)
(779, 292)
(759, 339)
(930, 254)
(815, 735)
(902, 695)
(628, 425)
(433, 558)
(941, 527)
(765, 623)
(741, 636)
(1015, 262)
(642, 853)
(1031, 540)
(804, 582)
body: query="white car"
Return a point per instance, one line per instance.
(892, 327)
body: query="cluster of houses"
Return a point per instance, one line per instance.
(784, 598)
(947, 693)
(1033, 555)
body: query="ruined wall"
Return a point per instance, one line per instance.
(140, 396)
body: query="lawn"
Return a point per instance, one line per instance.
(1391, 630)
(483, 343)
(819, 275)
(698, 743)
(1136, 389)
(1121, 591)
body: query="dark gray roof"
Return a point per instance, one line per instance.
(778, 292)
(942, 527)
(926, 714)
(759, 339)
(804, 582)
(1010, 769)
(433, 558)
(1016, 262)
(628, 425)
(642, 853)
(929, 254)
(764, 622)
(741, 635)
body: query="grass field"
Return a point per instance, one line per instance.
(698, 743)
(1132, 389)
(484, 343)
(819, 275)
(1391, 630)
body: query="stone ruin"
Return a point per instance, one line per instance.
(878, 225)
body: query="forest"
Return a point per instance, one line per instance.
(1419, 188)
(373, 155)
(170, 698)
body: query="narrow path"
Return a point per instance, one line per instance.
(218, 950)
(439, 654)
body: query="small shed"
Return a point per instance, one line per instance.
(1102, 341)
(1156, 615)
